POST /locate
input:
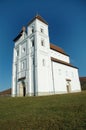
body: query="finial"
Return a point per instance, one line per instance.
(36, 14)
(23, 29)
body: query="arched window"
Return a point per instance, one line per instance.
(23, 49)
(17, 53)
(42, 42)
(42, 30)
(32, 42)
(32, 29)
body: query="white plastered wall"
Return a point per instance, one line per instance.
(61, 73)
(59, 56)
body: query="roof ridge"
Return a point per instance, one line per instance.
(57, 48)
(62, 62)
(39, 17)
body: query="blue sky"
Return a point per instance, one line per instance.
(67, 29)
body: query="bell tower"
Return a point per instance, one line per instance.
(41, 79)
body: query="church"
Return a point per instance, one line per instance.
(40, 67)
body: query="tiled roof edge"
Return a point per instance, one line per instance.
(39, 18)
(58, 49)
(62, 62)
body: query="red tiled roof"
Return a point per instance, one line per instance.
(58, 49)
(6, 92)
(82, 78)
(24, 29)
(39, 18)
(62, 62)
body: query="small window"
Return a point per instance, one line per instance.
(42, 42)
(17, 53)
(32, 42)
(42, 30)
(33, 61)
(23, 50)
(43, 62)
(32, 29)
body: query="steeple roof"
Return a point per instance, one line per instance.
(39, 18)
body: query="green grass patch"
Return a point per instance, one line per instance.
(57, 112)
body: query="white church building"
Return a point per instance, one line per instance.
(39, 67)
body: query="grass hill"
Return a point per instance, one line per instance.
(57, 112)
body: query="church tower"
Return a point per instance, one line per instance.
(31, 63)
(39, 38)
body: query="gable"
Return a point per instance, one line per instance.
(20, 34)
